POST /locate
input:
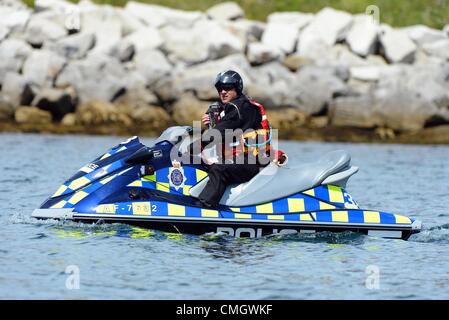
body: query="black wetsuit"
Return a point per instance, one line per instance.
(238, 114)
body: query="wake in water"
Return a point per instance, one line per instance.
(438, 234)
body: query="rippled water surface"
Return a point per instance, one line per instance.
(122, 262)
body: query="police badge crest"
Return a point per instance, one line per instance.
(176, 175)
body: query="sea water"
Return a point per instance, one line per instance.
(66, 260)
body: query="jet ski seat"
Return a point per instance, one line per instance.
(275, 182)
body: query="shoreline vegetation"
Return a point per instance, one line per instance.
(356, 71)
(432, 13)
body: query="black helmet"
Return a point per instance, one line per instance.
(230, 79)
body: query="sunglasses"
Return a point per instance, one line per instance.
(225, 88)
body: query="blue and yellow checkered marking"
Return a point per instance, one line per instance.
(73, 199)
(160, 180)
(87, 179)
(331, 197)
(163, 209)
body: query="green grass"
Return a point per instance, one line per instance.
(398, 13)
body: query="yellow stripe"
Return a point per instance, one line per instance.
(265, 208)
(402, 219)
(79, 183)
(371, 216)
(305, 217)
(77, 197)
(59, 205)
(163, 186)
(176, 210)
(151, 177)
(105, 208)
(106, 155)
(60, 191)
(276, 217)
(242, 216)
(325, 206)
(295, 205)
(310, 192)
(335, 194)
(200, 175)
(108, 179)
(185, 190)
(340, 216)
(142, 208)
(209, 213)
(235, 209)
(137, 183)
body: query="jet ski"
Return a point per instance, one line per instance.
(139, 185)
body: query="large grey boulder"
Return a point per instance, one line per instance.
(4, 31)
(362, 36)
(315, 87)
(13, 53)
(137, 91)
(16, 90)
(191, 46)
(158, 16)
(398, 47)
(438, 49)
(123, 51)
(281, 36)
(271, 85)
(58, 102)
(396, 109)
(40, 29)
(259, 53)
(405, 98)
(431, 82)
(42, 66)
(106, 24)
(246, 30)
(147, 37)
(340, 55)
(14, 19)
(283, 29)
(365, 73)
(130, 23)
(75, 46)
(225, 11)
(152, 64)
(356, 111)
(327, 27)
(200, 78)
(421, 34)
(321, 54)
(98, 77)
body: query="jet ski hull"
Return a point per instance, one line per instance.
(199, 221)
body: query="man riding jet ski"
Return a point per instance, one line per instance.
(240, 161)
(247, 194)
